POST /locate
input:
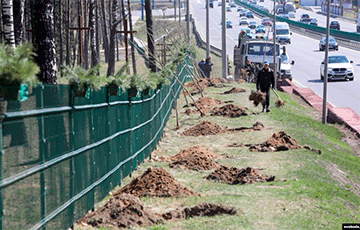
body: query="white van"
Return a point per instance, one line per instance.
(282, 33)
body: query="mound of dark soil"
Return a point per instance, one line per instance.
(229, 110)
(205, 104)
(235, 90)
(216, 80)
(232, 175)
(257, 126)
(203, 129)
(156, 182)
(122, 211)
(277, 142)
(204, 209)
(208, 101)
(195, 158)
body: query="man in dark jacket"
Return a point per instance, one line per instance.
(202, 67)
(264, 81)
(208, 65)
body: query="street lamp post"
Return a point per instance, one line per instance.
(324, 111)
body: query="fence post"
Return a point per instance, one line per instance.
(42, 155)
(71, 163)
(1, 170)
(91, 198)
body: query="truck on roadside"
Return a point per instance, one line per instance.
(286, 7)
(258, 51)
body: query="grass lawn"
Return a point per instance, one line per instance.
(310, 191)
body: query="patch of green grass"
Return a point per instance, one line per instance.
(305, 193)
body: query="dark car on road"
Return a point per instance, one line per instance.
(335, 25)
(333, 45)
(249, 14)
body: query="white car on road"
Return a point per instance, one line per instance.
(339, 68)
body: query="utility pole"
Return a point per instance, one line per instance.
(188, 21)
(179, 12)
(207, 30)
(274, 40)
(324, 112)
(142, 9)
(223, 27)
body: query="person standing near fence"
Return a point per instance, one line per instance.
(202, 67)
(208, 66)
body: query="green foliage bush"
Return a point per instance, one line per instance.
(82, 78)
(17, 65)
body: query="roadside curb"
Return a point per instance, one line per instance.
(340, 115)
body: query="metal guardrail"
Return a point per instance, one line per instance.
(346, 39)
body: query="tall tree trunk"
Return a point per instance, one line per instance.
(150, 36)
(1, 27)
(93, 29)
(132, 40)
(42, 21)
(115, 22)
(80, 61)
(105, 38)
(67, 31)
(97, 29)
(8, 22)
(61, 62)
(86, 40)
(19, 11)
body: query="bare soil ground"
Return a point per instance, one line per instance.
(156, 182)
(203, 209)
(205, 104)
(121, 211)
(195, 158)
(235, 90)
(125, 211)
(277, 142)
(232, 175)
(205, 128)
(229, 110)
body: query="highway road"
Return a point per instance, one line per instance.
(345, 25)
(303, 50)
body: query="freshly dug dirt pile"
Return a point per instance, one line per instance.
(229, 110)
(216, 80)
(257, 126)
(208, 101)
(195, 158)
(257, 97)
(205, 104)
(235, 90)
(203, 129)
(232, 175)
(240, 80)
(121, 211)
(280, 141)
(203, 209)
(156, 182)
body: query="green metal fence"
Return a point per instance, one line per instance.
(61, 154)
